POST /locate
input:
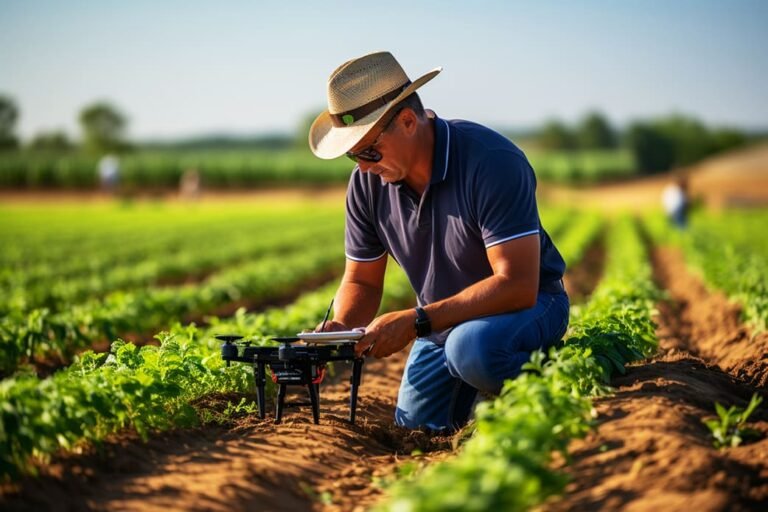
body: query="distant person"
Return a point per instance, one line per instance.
(675, 201)
(109, 173)
(454, 203)
(189, 184)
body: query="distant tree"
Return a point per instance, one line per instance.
(690, 139)
(9, 114)
(728, 138)
(51, 141)
(103, 128)
(653, 151)
(677, 140)
(556, 135)
(595, 132)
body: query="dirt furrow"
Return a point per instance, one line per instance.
(253, 465)
(581, 279)
(651, 450)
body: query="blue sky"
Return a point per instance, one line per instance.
(187, 68)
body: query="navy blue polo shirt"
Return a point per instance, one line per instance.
(482, 193)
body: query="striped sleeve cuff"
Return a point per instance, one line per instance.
(507, 239)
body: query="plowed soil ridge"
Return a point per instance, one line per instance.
(651, 450)
(581, 279)
(253, 465)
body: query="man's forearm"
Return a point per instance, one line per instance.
(356, 304)
(492, 296)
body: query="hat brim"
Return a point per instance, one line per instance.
(328, 141)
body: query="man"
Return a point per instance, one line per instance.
(454, 204)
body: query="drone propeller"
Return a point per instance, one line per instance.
(286, 339)
(229, 338)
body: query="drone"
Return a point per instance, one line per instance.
(294, 364)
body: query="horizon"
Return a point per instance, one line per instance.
(184, 71)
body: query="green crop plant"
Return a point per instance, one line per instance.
(730, 428)
(506, 464)
(148, 388)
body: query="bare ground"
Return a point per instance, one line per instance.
(251, 465)
(651, 450)
(254, 464)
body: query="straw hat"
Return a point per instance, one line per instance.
(360, 93)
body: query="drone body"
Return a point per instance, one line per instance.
(294, 364)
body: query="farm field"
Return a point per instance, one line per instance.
(114, 396)
(237, 169)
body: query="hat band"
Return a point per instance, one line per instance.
(349, 117)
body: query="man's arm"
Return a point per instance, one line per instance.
(514, 285)
(359, 295)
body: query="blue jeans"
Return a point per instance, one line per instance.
(440, 382)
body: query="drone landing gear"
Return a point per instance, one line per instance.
(304, 373)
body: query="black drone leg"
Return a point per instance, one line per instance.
(315, 400)
(280, 402)
(261, 382)
(357, 370)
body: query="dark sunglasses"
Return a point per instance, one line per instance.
(369, 153)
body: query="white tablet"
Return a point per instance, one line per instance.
(333, 336)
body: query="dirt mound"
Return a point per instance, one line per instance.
(737, 178)
(709, 319)
(581, 279)
(250, 465)
(651, 450)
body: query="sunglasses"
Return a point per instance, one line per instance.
(369, 153)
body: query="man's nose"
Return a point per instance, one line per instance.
(364, 165)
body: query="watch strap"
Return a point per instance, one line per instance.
(423, 324)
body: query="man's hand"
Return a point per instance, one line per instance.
(331, 326)
(388, 334)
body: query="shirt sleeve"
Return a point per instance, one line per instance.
(505, 198)
(361, 242)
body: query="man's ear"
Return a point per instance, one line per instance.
(408, 121)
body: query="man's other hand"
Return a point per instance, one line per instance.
(331, 326)
(388, 334)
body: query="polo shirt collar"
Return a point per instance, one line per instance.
(441, 151)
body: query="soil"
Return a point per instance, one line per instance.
(651, 450)
(253, 464)
(250, 464)
(737, 178)
(581, 279)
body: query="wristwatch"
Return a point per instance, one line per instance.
(423, 325)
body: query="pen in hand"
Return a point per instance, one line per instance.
(322, 327)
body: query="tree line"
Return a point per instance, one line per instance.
(103, 127)
(657, 145)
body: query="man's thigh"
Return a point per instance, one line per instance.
(486, 351)
(430, 397)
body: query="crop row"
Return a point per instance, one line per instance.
(506, 464)
(65, 241)
(583, 229)
(182, 264)
(728, 251)
(148, 388)
(24, 334)
(223, 169)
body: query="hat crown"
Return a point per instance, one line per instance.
(362, 80)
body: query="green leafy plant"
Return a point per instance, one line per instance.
(730, 428)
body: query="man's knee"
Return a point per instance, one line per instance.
(469, 358)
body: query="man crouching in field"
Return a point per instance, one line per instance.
(453, 202)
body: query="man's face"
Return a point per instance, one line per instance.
(388, 143)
